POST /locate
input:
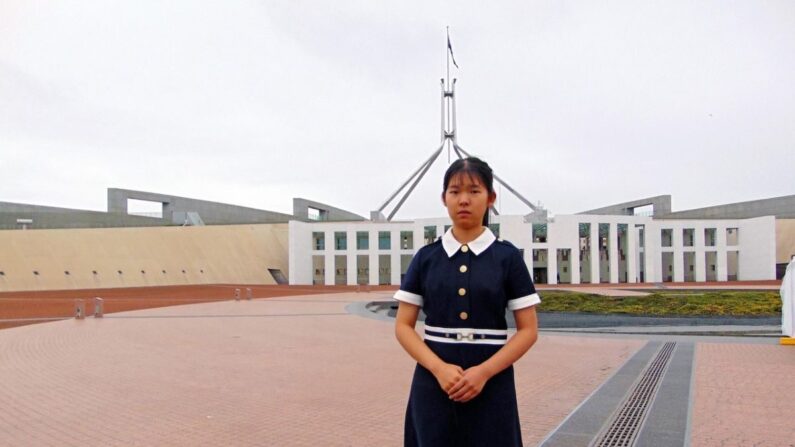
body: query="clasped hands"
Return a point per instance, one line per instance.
(459, 384)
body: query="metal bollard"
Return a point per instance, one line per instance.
(237, 294)
(248, 293)
(80, 309)
(99, 307)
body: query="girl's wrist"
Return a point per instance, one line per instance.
(486, 369)
(435, 367)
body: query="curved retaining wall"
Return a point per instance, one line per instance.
(153, 256)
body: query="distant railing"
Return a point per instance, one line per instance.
(156, 214)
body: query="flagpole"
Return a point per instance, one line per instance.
(447, 87)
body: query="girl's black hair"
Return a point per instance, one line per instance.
(474, 167)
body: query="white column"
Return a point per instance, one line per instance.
(373, 257)
(632, 246)
(595, 261)
(652, 252)
(528, 259)
(700, 261)
(678, 261)
(394, 251)
(574, 261)
(552, 264)
(613, 250)
(328, 258)
(350, 260)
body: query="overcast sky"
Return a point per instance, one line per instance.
(577, 104)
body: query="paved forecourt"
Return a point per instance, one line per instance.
(304, 370)
(279, 371)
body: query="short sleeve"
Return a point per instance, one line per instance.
(519, 286)
(411, 287)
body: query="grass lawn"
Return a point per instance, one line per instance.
(668, 303)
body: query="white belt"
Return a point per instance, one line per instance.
(466, 335)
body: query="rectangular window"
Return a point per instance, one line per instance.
(384, 269)
(405, 260)
(732, 265)
(539, 233)
(641, 235)
(732, 236)
(709, 237)
(362, 240)
(384, 240)
(340, 270)
(430, 234)
(362, 269)
(688, 235)
(316, 214)
(406, 240)
(318, 269)
(318, 240)
(667, 235)
(495, 228)
(340, 240)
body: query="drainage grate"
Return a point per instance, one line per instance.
(627, 421)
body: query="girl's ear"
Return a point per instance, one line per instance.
(443, 202)
(492, 198)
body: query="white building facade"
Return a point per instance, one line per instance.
(569, 249)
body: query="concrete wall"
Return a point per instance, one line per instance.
(660, 204)
(208, 255)
(52, 217)
(780, 207)
(785, 240)
(211, 213)
(330, 213)
(757, 247)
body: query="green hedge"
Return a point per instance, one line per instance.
(682, 303)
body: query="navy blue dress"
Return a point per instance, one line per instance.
(464, 291)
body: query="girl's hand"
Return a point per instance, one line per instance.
(470, 385)
(448, 375)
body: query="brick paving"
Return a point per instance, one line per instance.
(300, 370)
(744, 395)
(282, 371)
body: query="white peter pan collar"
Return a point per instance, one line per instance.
(451, 245)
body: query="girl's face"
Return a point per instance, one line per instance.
(467, 200)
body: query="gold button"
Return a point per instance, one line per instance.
(464, 248)
(462, 291)
(463, 315)
(462, 269)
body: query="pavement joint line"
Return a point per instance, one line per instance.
(15, 320)
(643, 355)
(690, 399)
(224, 316)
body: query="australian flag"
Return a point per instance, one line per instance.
(450, 49)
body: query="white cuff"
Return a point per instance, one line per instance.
(408, 297)
(525, 301)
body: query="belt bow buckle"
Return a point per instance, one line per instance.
(465, 335)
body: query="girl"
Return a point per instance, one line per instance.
(463, 392)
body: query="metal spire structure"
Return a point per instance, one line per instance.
(450, 141)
